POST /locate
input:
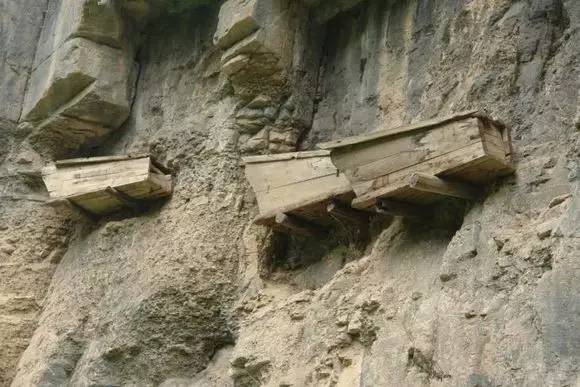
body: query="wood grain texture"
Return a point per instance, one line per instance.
(107, 184)
(397, 131)
(291, 224)
(433, 184)
(467, 148)
(289, 182)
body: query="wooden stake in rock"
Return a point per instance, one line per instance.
(293, 225)
(394, 208)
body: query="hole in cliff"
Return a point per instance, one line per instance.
(448, 214)
(310, 262)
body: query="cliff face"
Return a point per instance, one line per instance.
(190, 292)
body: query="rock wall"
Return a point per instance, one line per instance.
(81, 82)
(190, 292)
(32, 237)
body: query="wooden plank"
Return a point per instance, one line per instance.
(79, 179)
(153, 168)
(494, 145)
(265, 177)
(433, 184)
(429, 145)
(284, 156)
(91, 170)
(395, 208)
(294, 182)
(370, 199)
(101, 202)
(389, 185)
(87, 186)
(126, 185)
(163, 183)
(407, 194)
(507, 140)
(311, 208)
(439, 138)
(480, 171)
(162, 168)
(300, 194)
(434, 166)
(497, 139)
(396, 131)
(124, 199)
(294, 225)
(97, 160)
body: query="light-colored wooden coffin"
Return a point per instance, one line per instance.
(300, 184)
(420, 163)
(100, 185)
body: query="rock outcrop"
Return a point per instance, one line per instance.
(190, 292)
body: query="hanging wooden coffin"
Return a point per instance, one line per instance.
(404, 164)
(101, 185)
(301, 184)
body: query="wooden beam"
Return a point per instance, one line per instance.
(394, 208)
(347, 214)
(396, 131)
(161, 167)
(433, 184)
(125, 199)
(99, 159)
(285, 156)
(294, 225)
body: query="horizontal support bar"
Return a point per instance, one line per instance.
(433, 184)
(348, 214)
(394, 208)
(291, 224)
(125, 199)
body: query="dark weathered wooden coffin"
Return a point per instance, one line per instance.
(300, 183)
(101, 185)
(416, 163)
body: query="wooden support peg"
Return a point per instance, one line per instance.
(433, 184)
(125, 199)
(294, 225)
(347, 214)
(394, 208)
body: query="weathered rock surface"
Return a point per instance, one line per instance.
(18, 40)
(32, 241)
(272, 65)
(190, 293)
(81, 84)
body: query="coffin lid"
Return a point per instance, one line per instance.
(285, 156)
(381, 134)
(104, 159)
